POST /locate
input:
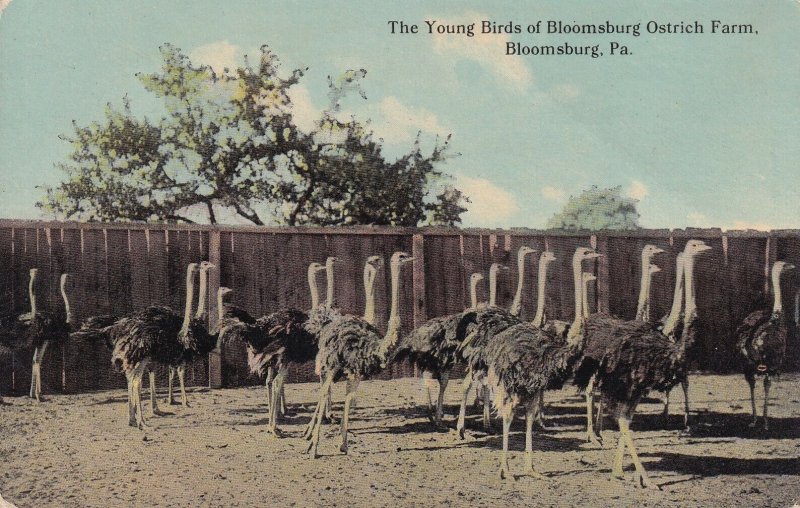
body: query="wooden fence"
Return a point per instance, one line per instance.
(119, 268)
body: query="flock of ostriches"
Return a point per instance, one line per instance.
(512, 362)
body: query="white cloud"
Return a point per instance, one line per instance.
(551, 193)
(303, 110)
(761, 226)
(486, 49)
(218, 55)
(397, 123)
(697, 219)
(565, 92)
(637, 190)
(489, 205)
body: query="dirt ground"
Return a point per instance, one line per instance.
(77, 450)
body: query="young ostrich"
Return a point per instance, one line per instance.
(327, 317)
(630, 358)
(155, 334)
(353, 348)
(197, 341)
(38, 329)
(593, 349)
(762, 341)
(524, 361)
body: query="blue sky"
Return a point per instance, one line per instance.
(703, 129)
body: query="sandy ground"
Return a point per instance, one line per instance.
(77, 450)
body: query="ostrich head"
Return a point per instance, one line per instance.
(375, 262)
(496, 267)
(525, 250)
(547, 257)
(582, 253)
(332, 260)
(694, 247)
(315, 268)
(651, 269)
(475, 278)
(648, 252)
(224, 291)
(400, 258)
(782, 266)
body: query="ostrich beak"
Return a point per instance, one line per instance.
(789, 266)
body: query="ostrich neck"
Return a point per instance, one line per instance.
(492, 287)
(329, 302)
(220, 306)
(473, 293)
(576, 329)
(777, 305)
(541, 282)
(369, 291)
(393, 326)
(644, 291)
(677, 297)
(67, 310)
(691, 304)
(32, 294)
(201, 304)
(516, 304)
(187, 313)
(585, 299)
(312, 286)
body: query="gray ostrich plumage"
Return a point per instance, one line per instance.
(524, 360)
(37, 330)
(627, 359)
(354, 349)
(761, 341)
(275, 341)
(154, 334)
(433, 347)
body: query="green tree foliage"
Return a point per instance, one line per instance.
(595, 209)
(229, 141)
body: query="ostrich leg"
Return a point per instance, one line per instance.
(270, 386)
(277, 388)
(466, 384)
(170, 397)
(591, 436)
(540, 411)
(182, 381)
(323, 400)
(751, 380)
(767, 383)
(665, 412)
(625, 434)
(36, 371)
(530, 417)
(282, 406)
(487, 408)
(444, 377)
(153, 401)
(505, 472)
(131, 400)
(685, 386)
(352, 386)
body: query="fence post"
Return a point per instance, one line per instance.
(418, 283)
(215, 357)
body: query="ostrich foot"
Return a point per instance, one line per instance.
(461, 433)
(643, 481)
(186, 404)
(158, 412)
(766, 425)
(312, 445)
(617, 474)
(753, 424)
(329, 419)
(536, 474)
(594, 439)
(505, 474)
(343, 448)
(542, 425)
(276, 432)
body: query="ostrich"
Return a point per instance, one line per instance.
(353, 348)
(648, 253)
(524, 360)
(762, 341)
(672, 326)
(371, 267)
(153, 334)
(630, 358)
(198, 342)
(432, 347)
(38, 329)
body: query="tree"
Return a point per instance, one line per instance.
(229, 142)
(596, 209)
